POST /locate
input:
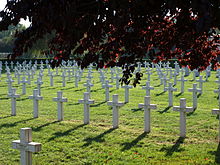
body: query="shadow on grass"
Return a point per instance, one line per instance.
(198, 96)
(128, 146)
(179, 94)
(165, 110)
(161, 93)
(44, 125)
(68, 88)
(96, 105)
(175, 148)
(4, 98)
(96, 90)
(72, 104)
(137, 109)
(112, 90)
(5, 117)
(157, 85)
(51, 88)
(44, 87)
(216, 153)
(191, 113)
(98, 138)
(7, 125)
(65, 133)
(23, 99)
(77, 90)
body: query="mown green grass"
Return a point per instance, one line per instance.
(71, 142)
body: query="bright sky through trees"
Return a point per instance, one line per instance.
(2, 6)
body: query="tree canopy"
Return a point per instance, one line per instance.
(110, 32)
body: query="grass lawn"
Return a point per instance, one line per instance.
(71, 142)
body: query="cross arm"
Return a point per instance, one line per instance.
(176, 108)
(153, 106)
(141, 105)
(188, 109)
(81, 101)
(60, 99)
(110, 103)
(31, 147)
(91, 102)
(215, 111)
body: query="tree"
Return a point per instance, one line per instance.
(110, 32)
(7, 38)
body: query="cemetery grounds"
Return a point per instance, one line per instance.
(72, 142)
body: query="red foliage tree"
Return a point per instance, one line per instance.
(113, 31)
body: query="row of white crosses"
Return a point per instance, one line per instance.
(117, 78)
(27, 147)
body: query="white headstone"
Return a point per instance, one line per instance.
(107, 86)
(51, 78)
(165, 79)
(88, 86)
(182, 80)
(76, 78)
(60, 99)
(39, 83)
(9, 81)
(24, 82)
(26, 146)
(201, 81)
(217, 112)
(127, 87)
(86, 101)
(13, 97)
(115, 106)
(117, 78)
(147, 107)
(147, 88)
(35, 97)
(194, 90)
(218, 92)
(175, 74)
(170, 89)
(182, 109)
(64, 78)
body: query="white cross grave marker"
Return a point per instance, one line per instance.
(26, 146)
(165, 79)
(147, 88)
(194, 90)
(88, 86)
(9, 81)
(217, 112)
(170, 89)
(117, 78)
(201, 81)
(24, 82)
(147, 107)
(35, 97)
(182, 83)
(127, 87)
(13, 97)
(183, 109)
(51, 78)
(107, 86)
(115, 106)
(39, 83)
(86, 101)
(60, 99)
(76, 78)
(64, 78)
